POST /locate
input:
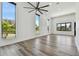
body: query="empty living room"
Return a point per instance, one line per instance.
(39, 28)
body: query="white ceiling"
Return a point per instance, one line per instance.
(56, 8)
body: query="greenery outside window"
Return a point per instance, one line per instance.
(8, 20)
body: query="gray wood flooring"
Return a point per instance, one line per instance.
(51, 45)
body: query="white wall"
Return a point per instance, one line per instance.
(62, 19)
(77, 25)
(24, 22)
(43, 24)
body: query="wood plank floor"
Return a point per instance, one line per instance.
(51, 45)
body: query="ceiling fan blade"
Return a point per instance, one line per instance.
(40, 11)
(44, 10)
(30, 11)
(28, 7)
(31, 4)
(44, 6)
(38, 4)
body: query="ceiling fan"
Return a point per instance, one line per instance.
(36, 8)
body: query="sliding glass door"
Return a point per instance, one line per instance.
(8, 20)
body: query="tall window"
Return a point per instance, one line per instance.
(8, 20)
(37, 23)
